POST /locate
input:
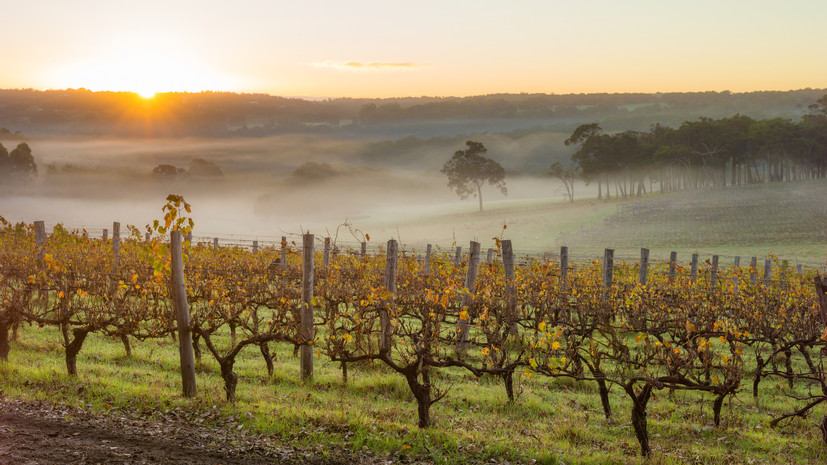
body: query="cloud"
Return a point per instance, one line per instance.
(368, 66)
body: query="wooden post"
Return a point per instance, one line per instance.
(608, 268)
(116, 246)
(40, 239)
(737, 265)
(148, 236)
(799, 269)
(644, 266)
(784, 265)
(327, 252)
(215, 244)
(490, 256)
(40, 243)
(693, 271)
(255, 246)
(753, 270)
(673, 266)
(283, 252)
(391, 264)
(105, 235)
(306, 318)
(458, 257)
(510, 290)
(713, 273)
(182, 315)
(364, 249)
(428, 259)
(564, 268)
(463, 324)
(767, 272)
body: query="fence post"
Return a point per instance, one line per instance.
(608, 265)
(255, 246)
(40, 239)
(736, 263)
(713, 275)
(767, 272)
(564, 268)
(458, 257)
(428, 259)
(693, 271)
(364, 249)
(147, 236)
(644, 266)
(105, 234)
(391, 264)
(306, 317)
(489, 256)
(116, 246)
(510, 291)
(784, 265)
(673, 266)
(799, 269)
(284, 252)
(215, 244)
(753, 270)
(470, 284)
(326, 252)
(182, 315)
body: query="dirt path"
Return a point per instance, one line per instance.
(41, 433)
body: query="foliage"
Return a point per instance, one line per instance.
(468, 171)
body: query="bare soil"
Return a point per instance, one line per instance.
(44, 433)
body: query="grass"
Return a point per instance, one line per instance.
(553, 420)
(779, 219)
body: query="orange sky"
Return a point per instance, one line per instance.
(392, 48)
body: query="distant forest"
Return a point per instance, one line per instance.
(222, 114)
(703, 154)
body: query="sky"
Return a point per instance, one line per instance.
(394, 48)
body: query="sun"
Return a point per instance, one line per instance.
(145, 64)
(146, 94)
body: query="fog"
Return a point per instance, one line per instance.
(88, 184)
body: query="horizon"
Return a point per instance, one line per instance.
(376, 49)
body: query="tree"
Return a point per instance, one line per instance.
(566, 175)
(468, 171)
(201, 167)
(21, 160)
(165, 170)
(5, 163)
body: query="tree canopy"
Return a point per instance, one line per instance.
(703, 154)
(468, 171)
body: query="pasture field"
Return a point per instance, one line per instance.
(783, 220)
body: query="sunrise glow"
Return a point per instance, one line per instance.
(375, 49)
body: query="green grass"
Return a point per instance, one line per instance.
(553, 420)
(784, 220)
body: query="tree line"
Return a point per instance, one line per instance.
(704, 154)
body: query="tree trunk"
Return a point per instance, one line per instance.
(759, 365)
(268, 358)
(716, 409)
(127, 347)
(73, 349)
(479, 194)
(5, 347)
(196, 347)
(230, 378)
(788, 361)
(422, 394)
(640, 402)
(508, 379)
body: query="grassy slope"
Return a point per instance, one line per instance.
(784, 220)
(553, 420)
